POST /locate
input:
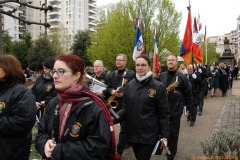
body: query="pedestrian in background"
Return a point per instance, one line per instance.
(17, 111)
(214, 81)
(44, 89)
(196, 86)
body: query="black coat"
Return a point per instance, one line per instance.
(181, 95)
(17, 117)
(91, 141)
(115, 81)
(146, 111)
(43, 89)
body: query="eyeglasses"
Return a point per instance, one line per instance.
(141, 65)
(120, 60)
(59, 72)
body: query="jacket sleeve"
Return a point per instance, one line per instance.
(187, 93)
(94, 144)
(163, 111)
(23, 112)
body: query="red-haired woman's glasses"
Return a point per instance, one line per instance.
(59, 72)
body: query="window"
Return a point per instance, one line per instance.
(69, 16)
(66, 3)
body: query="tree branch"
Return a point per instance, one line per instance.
(25, 21)
(27, 5)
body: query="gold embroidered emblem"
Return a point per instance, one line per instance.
(49, 88)
(75, 129)
(2, 106)
(151, 93)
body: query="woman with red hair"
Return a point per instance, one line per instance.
(76, 124)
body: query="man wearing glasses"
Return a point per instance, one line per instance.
(117, 81)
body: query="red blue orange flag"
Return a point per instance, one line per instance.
(186, 47)
(196, 47)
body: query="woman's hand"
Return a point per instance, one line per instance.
(48, 148)
(38, 105)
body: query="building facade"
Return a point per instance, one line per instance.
(14, 27)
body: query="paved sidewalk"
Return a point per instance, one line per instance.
(218, 113)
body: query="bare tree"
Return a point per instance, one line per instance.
(10, 12)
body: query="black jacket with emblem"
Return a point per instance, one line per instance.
(145, 109)
(180, 95)
(86, 134)
(43, 89)
(17, 117)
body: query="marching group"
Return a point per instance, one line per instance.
(74, 122)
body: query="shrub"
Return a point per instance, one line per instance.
(224, 144)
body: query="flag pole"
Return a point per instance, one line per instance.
(206, 51)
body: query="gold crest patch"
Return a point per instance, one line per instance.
(151, 93)
(2, 106)
(75, 129)
(49, 88)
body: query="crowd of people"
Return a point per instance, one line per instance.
(73, 115)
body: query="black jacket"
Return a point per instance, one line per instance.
(146, 111)
(181, 95)
(43, 89)
(88, 135)
(196, 87)
(115, 81)
(17, 117)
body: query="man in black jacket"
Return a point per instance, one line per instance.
(179, 94)
(117, 81)
(196, 87)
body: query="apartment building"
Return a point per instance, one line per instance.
(67, 16)
(14, 27)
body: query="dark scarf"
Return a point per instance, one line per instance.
(77, 94)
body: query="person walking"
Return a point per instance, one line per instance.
(214, 80)
(223, 79)
(196, 87)
(117, 81)
(179, 95)
(17, 111)
(76, 124)
(145, 108)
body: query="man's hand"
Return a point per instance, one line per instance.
(100, 94)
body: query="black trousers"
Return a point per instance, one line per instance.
(142, 151)
(193, 113)
(201, 100)
(122, 141)
(174, 127)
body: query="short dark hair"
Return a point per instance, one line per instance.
(48, 62)
(145, 56)
(13, 69)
